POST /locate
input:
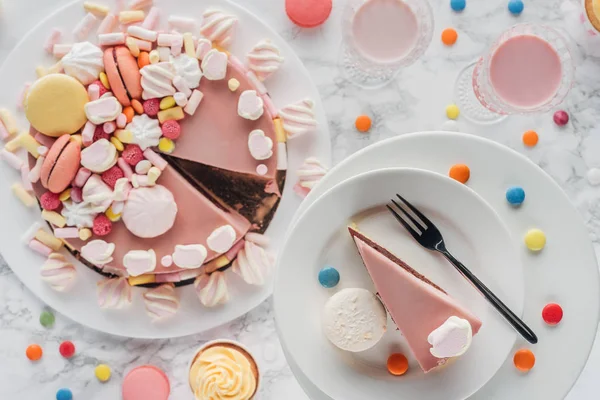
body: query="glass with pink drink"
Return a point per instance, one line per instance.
(529, 69)
(382, 36)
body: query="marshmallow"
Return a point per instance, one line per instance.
(260, 145)
(167, 261)
(129, 17)
(142, 33)
(25, 178)
(53, 39)
(61, 50)
(152, 18)
(97, 9)
(214, 65)
(155, 159)
(98, 252)
(167, 39)
(107, 25)
(182, 86)
(139, 4)
(111, 39)
(66, 233)
(125, 167)
(143, 45)
(23, 195)
(94, 92)
(451, 339)
(182, 24)
(9, 121)
(250, 105)
(121, 121)
(109, 127)
(180, 99)
(143, 167)
(164, 53)
(40, 248)
(34, 174)
(100, 156)
(132, 46)
(97, 193)
(221, 239)
(193, 102)
(202, 48)
(188, 44)
(139, 262)
(12, 159)
(84, 27)
(103, 110)
(189, 256)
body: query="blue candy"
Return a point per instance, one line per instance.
(458, 5)
(329, 277)
(515, 195)
(516, 6)
(64, 394)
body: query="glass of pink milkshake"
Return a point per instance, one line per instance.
(382, 36)
(529, 69)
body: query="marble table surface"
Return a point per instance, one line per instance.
(415, 101)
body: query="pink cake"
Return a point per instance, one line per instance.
(417, 305)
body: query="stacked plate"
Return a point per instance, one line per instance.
(483, 230)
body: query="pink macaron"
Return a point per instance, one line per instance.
(61, 164)
(123, 74)
(146, 383)
(308, 13)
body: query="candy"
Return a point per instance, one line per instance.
(3, 132)
(460, 172)
(183, 24)
(279, 130)
(143, 60)
(202, 48)
(397, 364)
(107, 25)
(102, 372)
(67, 349)
(170, 129)
(155, 159)
(180, 99)
(9, 121)
(54, 218)
(167, 39)
(530, 138)
(140, 4)
(552, 314)
(23, 195)
(64, 394)
(102, 225)
(152, 18)
(12, 159)
(40, 248)
(97, 9)
(151, 107)
(515, 195)
(66, 233)
(164, 53)
(141, 280)
(49, 240)
(111, 176)
(262, 169)
(308, 13)
(154, 57)
(124, 135)
(53, 39)
(132, 46)
(166, 145)
(214, 65)
(65, 194)
(153, 174)
(104, 80)
(121, 121)
(250, 105)
(524, 360)
(109, 127)
(132, 154)
(76, 195)
(129, 17)
(143, 167)
(298, 118)
(329, 277)
(124, 165)
(167, 102)
(174, 113)
(111, 39)
(449, 36)
(452, 111)
(142, 33)
(363, 123)
(233, 84)
(61, 50)
(193, 102)
(515, 7)
(85, 234)
(47, 319)
(103, 110)
(188, 44)
(535, 240)
(84, 27)
(561, 118)
(458, 5)
(34, 352)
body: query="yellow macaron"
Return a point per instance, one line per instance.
(55, 105)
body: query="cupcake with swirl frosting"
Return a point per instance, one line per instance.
(223, 369)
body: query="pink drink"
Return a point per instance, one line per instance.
(384, 30)
(525, 71)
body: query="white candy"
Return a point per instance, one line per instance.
(250, 105)
(214, 65)
(142, 33)
(189, 256)
(103, 110)
(180, 99)
(451, 339)
(139, 262)
(221, 239)
(202, 48)
(260, 145)
(111, 39)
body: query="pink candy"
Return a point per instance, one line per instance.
(44, 140)
(108, 24)
(171, 129)
(561, 118)
(11, 159)
(81, 177)
(155, 159)
(258, 85)
(142, 33)
(53, 39)
(152, 18)
(121, 121)
(93, 92)
(25, 178)
(76, 194)
(84, 27)
(109, 127)
(60, 50)
(182, 24)
(66, 233)
(87, 134)
(40, 248)
(125, 167)
(143, 45)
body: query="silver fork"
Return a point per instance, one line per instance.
(430, 237)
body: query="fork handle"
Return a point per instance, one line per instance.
(515, 321)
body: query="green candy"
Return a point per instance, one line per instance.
(47, 319)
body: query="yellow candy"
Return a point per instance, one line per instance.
(141, 280)
(154, 57)
(233, 84)
(112, 216)
(13, 145)
(9, 121)
(49, 240)
(452, 111)
(117, 143)
(535, 240)
(188, 44)
(30, 144)
(175, 113)
(219, 48)
(222, 261)
(23, 195)
(54, 218)
(132, 46)
(40, 71)
(102, 372)
(129, 17)
(55, 69)
(154, 173)
(78, 139)
(85, 234)
(166, 145)
(97, 9)
(64, 196)
(124, 135)
(279, 131)
(167, 103)
(104, 80)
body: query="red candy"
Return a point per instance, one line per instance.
(111, 176)
(151, 107)
(50, 201)
(101, 86)
(100, 134)
(76, 194)
(171, 129)
(552, 314)
(132, 154)
(102, 225)
(67, 349)
(561, 118)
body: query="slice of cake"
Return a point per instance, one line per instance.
(421, 310)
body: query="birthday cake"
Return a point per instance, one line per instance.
(157, 157)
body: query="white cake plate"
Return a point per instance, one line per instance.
(565, 272)
(290, 84)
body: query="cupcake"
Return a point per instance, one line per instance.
(223, 369)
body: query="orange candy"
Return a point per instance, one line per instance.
(143, 59)
(34, 352)
(397, 364)
(363, 123)
(449, 36)
(137, 106)
(524, 360)
(129, 113)
(530, 138)
(460, 172)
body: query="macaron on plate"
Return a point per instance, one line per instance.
(62, 156)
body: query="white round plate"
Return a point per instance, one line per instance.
(565, 272)
(474, 234)
(80, 303)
